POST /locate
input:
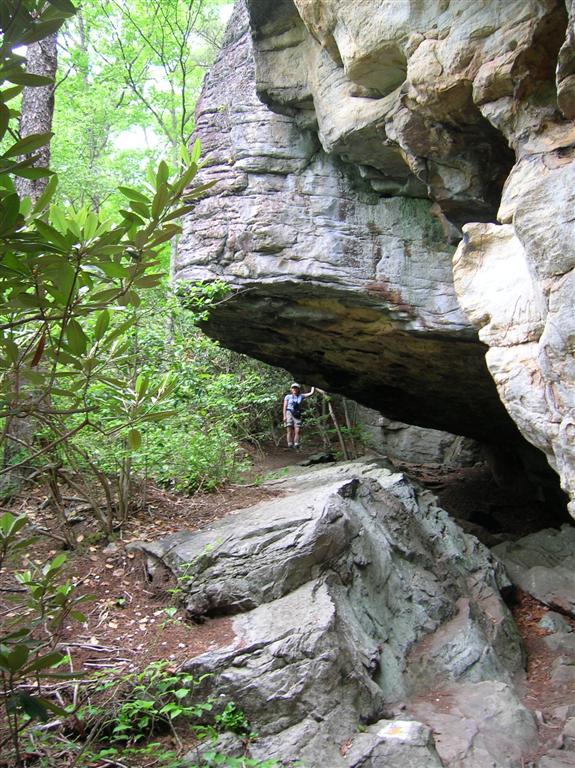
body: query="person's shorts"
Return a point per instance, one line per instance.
(291, 420)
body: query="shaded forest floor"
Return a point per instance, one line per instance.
(132, 621)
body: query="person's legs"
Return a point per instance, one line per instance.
(296, 429)
(290, 429)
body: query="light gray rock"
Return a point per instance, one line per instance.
(395, 744)
(543, 564)
(569, 734)
(557, 759)
(390, 126)
(337, 589)
(554, 622)
(404, 442)
(479, 725)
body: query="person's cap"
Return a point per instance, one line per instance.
(295, 384)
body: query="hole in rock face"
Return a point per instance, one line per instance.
(382, 71)
(539, 61)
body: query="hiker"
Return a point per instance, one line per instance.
(292, 412)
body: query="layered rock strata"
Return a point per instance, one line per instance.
(352, 291)
(395, 124)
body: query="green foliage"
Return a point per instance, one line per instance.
(131, 74)
(153, 700)
(216, 759)
(48, 601)
(217, 398)
(234, 719)
(11, 540)
(28, 651)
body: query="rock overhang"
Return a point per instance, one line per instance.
(310, 186)
(348, 287)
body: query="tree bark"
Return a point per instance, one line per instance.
(36, 113)
(37, 109)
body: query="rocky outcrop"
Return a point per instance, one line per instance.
(543, 564)
(391, 127)
(351, 290)
(356, 602)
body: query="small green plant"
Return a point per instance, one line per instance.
(170, 614)
(48, 601)
(186, 577)
(153, 754)
(234, 719)
(217, 759)
(28, 656)
(155, 698)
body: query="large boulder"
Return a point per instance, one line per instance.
(389, 127)
(350, 594)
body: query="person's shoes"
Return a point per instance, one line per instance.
(296, 445)
(290, 445)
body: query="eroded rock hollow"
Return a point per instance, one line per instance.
(355, 146)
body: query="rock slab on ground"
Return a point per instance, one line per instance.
(350, 594)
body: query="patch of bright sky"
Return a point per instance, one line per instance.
(140, 138)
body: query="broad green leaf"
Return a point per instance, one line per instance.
(197, 191)
(196, 151)
(17, 657)
(32, 173)
(76, 337)
(142, 209)
(113, 269)
(4, 119)
(65, 6)
(48, 661)
(10, 93)
(10, 524)
(133, 194)
(52, 235)
(134, 439)
(178, 212)
(160, 201)
(91, 225)
(26, 78)
(185, 178)
(27, 301)
(163, 173)
(102, 324)
(46, 196)
(28, 144)
(11, 350)
(142, 383)
(120, 330)
(131, 217)
(166, 233)
(9, 211)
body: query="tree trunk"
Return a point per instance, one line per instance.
(36, 115)
(38, 109)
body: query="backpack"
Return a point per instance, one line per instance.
(295, 407)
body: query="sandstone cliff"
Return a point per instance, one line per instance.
(355, 145)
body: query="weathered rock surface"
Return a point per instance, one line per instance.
(393, 125)
(543, 564)
(406, 443)
(351, 290)
(477, 726)
(350, 594)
